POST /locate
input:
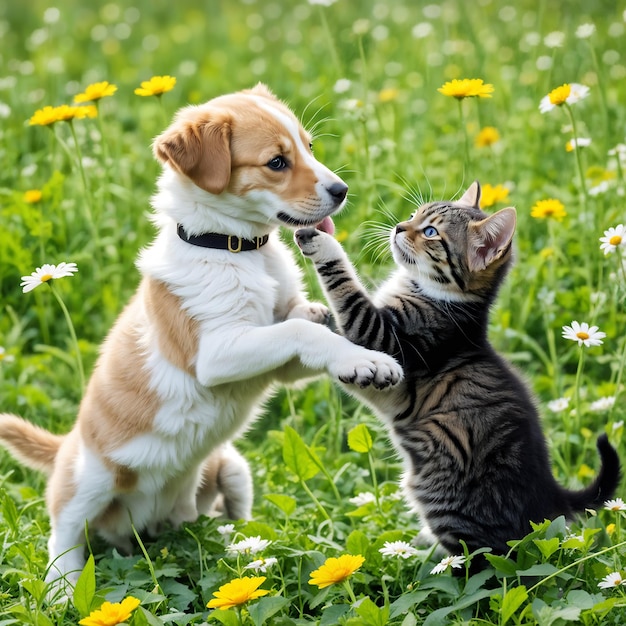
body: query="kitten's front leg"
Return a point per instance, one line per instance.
(358, 318)
(320, 247)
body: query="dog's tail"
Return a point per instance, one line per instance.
(34, 446)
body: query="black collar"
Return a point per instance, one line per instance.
(232, 243)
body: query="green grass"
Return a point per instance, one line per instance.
(394, 138)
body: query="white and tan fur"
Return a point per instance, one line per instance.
(191, 358)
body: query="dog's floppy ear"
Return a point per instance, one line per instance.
(199, 148)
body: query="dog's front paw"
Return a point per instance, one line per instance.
(316, 244)
(312, 311)
(368, 367)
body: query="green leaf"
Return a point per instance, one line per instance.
(265, 608)
(332, 614)
(297, 456)
(408, 600)
(357, 543)
(373, 615)
(548, 546)
(85, 588)
(9, 512)
(359, 439)
(440, 616)
(286, 504)
(541, 569)
(142, 617)
(225, 616)
(513, 599)
(502, 564)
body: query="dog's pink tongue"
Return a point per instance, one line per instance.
(326, 226)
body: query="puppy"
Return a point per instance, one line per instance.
(219, 316)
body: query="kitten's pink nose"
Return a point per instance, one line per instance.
(400, 228)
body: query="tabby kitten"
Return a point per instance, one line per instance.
(476, 463)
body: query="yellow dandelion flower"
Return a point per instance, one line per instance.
(466, 88)
(487, 137)
(388, 95)
(95, 92)
(110, 614)
(32, 196)
(336, 570)
(156, 86)
(238, 591)
(550, 208)
(490, 195)
(559, 95)
(44, 117)
(610, 529)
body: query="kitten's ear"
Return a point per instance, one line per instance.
(472, 196)
(490, 238)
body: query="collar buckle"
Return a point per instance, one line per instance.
(237, 246)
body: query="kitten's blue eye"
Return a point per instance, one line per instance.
(430, 232)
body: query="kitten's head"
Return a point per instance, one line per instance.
(454, 250)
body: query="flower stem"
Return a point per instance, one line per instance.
(465, 135)
(581, 173)
(68, 319)
(579, 371)
(331, 42)
(316, 501)
(348, 588)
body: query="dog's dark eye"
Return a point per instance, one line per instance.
(277, 163)
(430, 232)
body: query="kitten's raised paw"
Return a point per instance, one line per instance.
(370, 369)
(311, 311)
(315, 243)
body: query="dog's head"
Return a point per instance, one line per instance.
(250, 145)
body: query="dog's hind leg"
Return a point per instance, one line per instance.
(78, 492)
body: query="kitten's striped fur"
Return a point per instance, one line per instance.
(476, 462)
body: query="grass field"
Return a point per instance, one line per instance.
(365, 76)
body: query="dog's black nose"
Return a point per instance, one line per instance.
(338, 191)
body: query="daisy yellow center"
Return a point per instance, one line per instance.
(559, 95)
(615, 240)
(46, 277)
(582, 335)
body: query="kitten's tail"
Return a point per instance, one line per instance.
(605, 484)
(34, 446)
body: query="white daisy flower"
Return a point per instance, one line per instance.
(226, 529)
(615, 505)
(261, 565)
(619, 150)
(4, 357)
(580, 142)
(612, 580)
(603, 404)
(250, 545)
(558, 405)
(449, 561)
(554, 39)
(584, 31)
(45, 273)
(613, 238)
(362, 498)
(401, 549)
(600, 188)
(578, 92)
(342, 85)
(583, 334)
